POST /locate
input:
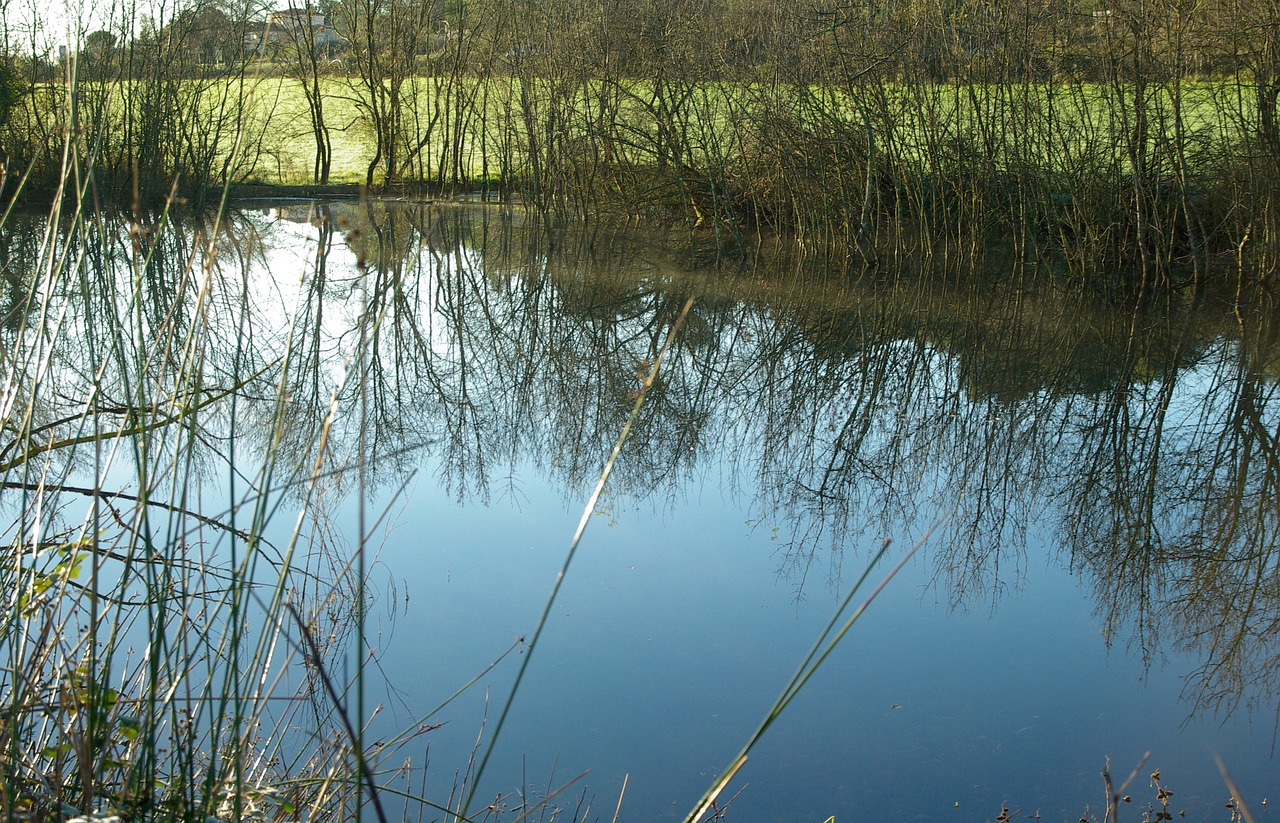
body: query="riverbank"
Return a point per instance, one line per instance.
(1126, 189)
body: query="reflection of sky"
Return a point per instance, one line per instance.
(673, 635)
(278, 291)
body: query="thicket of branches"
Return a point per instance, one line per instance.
(1133, 140)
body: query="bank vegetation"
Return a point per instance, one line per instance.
(1129, 145)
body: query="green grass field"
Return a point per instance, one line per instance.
(1061, 126)
(503, 121)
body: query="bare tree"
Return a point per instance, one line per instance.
(385, 38)
(308, 37)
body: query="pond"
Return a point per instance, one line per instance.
(1092, 490)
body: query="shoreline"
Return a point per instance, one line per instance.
(241, 192)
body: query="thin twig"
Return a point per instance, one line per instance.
(544, 801)
(313, 652)
(622, 793)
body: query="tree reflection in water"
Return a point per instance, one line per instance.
(1146, 439)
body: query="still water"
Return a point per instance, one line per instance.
(1094, 490)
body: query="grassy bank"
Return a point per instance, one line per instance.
(1129, 188)
(1134, 147)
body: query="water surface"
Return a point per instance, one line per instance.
(1095, 489)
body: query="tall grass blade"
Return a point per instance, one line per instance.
(817, 655)
(587, 511)
(1236, 798)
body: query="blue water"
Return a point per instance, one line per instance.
(1074, 459)
(674, 633)
(986, 675)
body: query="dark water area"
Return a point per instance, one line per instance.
(1094, 489)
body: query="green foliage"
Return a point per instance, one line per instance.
(11, 89)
